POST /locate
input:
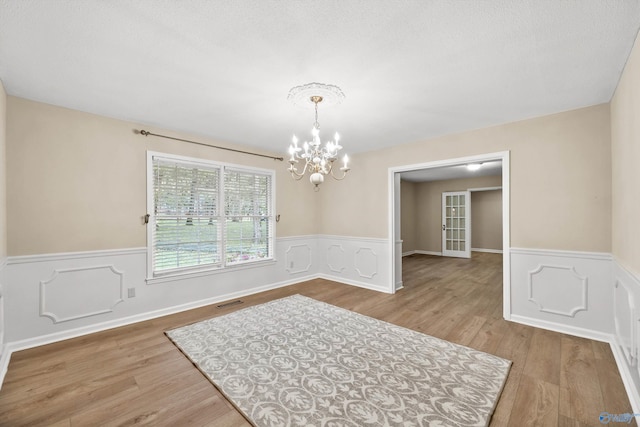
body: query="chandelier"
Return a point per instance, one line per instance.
(317, 159)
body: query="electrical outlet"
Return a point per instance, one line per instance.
(131, 292)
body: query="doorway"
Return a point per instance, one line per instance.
(395, 174)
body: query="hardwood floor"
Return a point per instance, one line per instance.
(134, 375)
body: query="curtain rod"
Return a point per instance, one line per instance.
(147, 133)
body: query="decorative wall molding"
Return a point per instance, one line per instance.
(297, 256)
(366, 269)
(574, 287)
(490, 251)
(66, 256)
(625, 320)
(418, 251)
(557, 253)
(563, 329)
(626, 341)
(353, 238)
(335, 258)
(585, 299)
(80, 292)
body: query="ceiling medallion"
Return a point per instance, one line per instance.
(317, 159)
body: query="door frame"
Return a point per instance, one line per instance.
(467, 225)
(395, 243)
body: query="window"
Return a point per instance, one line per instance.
(206, 215)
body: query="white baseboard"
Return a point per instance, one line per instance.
(5, 358)
(353, 283)
(99, 327)
(627, 378)
(418, 251)
(9, 348)
(563, 329)
(490, 251)
(428, 253)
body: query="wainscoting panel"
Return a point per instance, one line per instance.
(335, 258)
(570, 292)
(626, 342)
(363, 261)
(81, 292)
(624, 320)
(59, 296)
(545, 281)
(298, 258)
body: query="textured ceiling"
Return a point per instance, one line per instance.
(410, 70)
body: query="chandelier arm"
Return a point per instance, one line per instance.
(344, 174)
(295, 173)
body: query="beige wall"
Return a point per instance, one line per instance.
(486, 219)
(428, 208)
(625, 141)
(3, 172)
(408, 216)
(77, 181)
(560, 180)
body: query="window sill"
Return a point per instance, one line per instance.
(172, 277)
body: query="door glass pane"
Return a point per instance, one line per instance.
(461, 199)
(448, 212)
(462, 234)
(449, 233)
(449, 245)
(454, 200)
(455, 234)
(462, 211)
(462, 246)
(448, 200)
(455, 245)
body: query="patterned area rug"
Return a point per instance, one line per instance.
(300, 362)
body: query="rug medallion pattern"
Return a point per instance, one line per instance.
(300, 362)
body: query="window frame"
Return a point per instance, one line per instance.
(222, 266)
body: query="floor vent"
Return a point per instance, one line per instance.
(227, 304)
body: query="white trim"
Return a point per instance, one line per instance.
(600, 256)
(222, 168)
(23, 259)
(484, 189)
(352, 238)
(489, 251)
(98, 327)
(633, 393)
(625, 276)
(3, 262)
(353, 283)
(296, 238)
(563, 329)
(434, 253)
(5, 358)
(404, 254)
(503, 156)
(172, 277)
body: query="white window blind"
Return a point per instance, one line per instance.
(208, 215)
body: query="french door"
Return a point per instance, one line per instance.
(456, 224)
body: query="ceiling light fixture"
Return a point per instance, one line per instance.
(474, 166)
(318, 159)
